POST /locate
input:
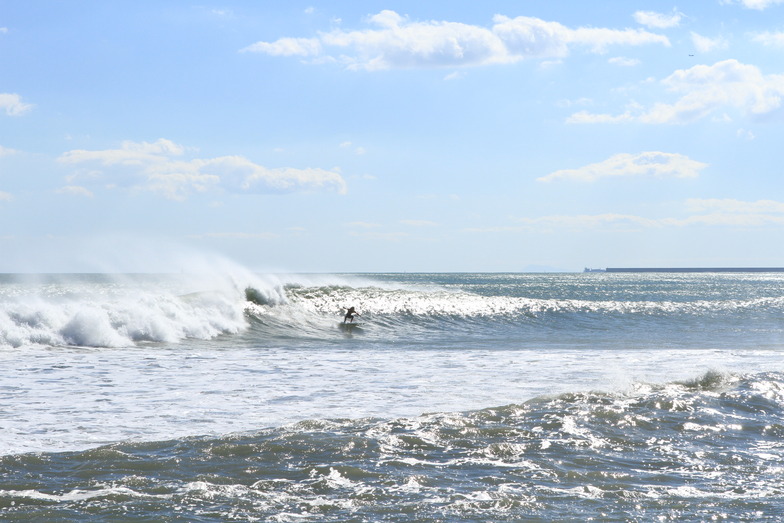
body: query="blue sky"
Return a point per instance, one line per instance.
(345, 136)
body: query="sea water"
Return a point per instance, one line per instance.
(460, 397)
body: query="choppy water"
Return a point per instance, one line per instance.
(461, 397)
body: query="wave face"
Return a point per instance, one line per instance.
(686, 451)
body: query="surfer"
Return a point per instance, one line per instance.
(350, 315)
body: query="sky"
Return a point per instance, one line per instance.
(400, 136)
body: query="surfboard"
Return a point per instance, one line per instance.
(350, 326)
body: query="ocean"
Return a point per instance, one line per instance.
(234, 396)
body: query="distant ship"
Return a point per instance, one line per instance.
(587, 269)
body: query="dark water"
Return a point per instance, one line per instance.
(469, 398)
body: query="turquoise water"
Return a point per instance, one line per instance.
(462, 397)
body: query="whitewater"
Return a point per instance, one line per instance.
(230, 395)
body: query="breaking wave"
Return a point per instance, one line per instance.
(102, 311)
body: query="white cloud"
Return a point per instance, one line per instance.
(129, 153)
(624, 62)
(397, 43)
(5, 197)
(645, 164)
(658, 20)
(287, 47)
(770, 39)
(705, 90)
(75, 190)
(531, 37)
(12, 104)
(759, 5)
(156, 167)
(703, 44)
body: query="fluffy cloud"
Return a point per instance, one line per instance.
(704, 90)
(624, 62)
(759, 4)
(658, 20)
(129, 153)
(288, 47)
(157, 167)
(4, 196)
(12, 104)
(397, 43)
(645, 164)
(703, 44)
